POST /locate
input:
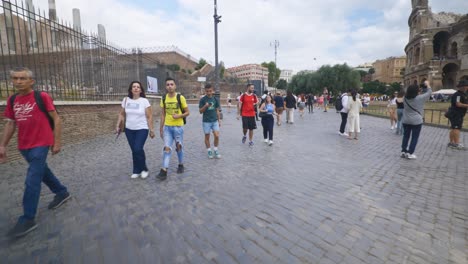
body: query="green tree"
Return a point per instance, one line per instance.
(282, 84)
(273, 72)
(374, 87)
(202, 62)
(222, 69)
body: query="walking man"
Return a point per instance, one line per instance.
(459, 105)
(246, 109)
(209, 107)
(279, 106)
(174, 110)
(39, 129)
(344, 113)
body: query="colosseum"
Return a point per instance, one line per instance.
(438, 47)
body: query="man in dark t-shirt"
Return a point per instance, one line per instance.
(279, 106)
(209, 107)
(459, 104)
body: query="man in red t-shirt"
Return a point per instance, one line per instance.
(246, 109)
(35, 137)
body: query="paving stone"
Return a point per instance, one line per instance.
(360, 202)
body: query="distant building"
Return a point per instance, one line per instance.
(437, 50)
(250, 72)
(286, 75)
(389, 70)
(364, 67)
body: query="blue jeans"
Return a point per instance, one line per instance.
(413, 131)
(136, 140)
(38, 172)
(171, 134)
(399, 129)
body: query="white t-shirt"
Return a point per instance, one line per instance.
(135, 111)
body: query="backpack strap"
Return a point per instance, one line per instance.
(41, 106)
(12, 100)
(180, 103)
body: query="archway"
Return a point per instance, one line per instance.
(440, 44)
(449, 75)
(454, 50)
(416, 56)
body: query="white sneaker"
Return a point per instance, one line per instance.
(270, 143)
(266, 141)
(134, 176)
(345, 134)
(411, 156)
(392, 127)
(144, 174)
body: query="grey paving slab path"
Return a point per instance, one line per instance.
(312, 197)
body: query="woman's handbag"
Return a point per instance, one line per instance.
(122, 122)
(263, 114)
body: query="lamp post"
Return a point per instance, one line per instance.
(217, 20)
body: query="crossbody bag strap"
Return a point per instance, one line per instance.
(412, 107)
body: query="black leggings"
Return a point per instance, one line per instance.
(268, 124)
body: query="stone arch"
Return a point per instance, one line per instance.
(454, 50)
(449, 75)
(465, 46)
(416, 56)
(440, 44)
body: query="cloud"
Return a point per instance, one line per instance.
(333, 31)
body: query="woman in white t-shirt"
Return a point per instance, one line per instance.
(354, 108)
(392, 111)
(137, 114)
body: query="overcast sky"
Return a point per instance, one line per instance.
(332, 31)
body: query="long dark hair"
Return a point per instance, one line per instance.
(353, 94)
(130, 94)
(412, 91)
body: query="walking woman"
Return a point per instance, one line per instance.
(290, 105)
(354, 106)
(391, 107)
(301, 104)
(137, 115)
(413, 118)
(400, 105)
(267, 110)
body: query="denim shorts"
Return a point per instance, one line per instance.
(210, 126)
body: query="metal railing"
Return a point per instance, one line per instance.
(431, 116)
(67, 63)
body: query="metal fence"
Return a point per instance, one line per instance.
(67, 63)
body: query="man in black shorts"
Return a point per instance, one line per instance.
(459, 105)
(246, 109)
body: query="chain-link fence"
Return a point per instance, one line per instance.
(67, 63)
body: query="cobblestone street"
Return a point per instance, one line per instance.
(312, 197)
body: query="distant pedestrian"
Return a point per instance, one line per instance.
(173, 111)
(459, 104)
(247, 104)
(290, 105)
(413, 114)
(310, 103)
(301, 104)
(400, 106)
(137, 114)
(39, 130)
(209, 107)
(279, 106)
(391, 108)
(344, 113)
(354, 108)
(229, 103)
(268, 121)
(326, 99)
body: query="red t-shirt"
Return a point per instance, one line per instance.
(33, 126)
(248, 102)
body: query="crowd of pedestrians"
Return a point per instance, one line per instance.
(39, 127)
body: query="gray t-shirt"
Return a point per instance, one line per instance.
(415, 116)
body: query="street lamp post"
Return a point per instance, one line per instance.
(217, 20)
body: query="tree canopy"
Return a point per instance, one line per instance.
(337, 78)
(273, 72)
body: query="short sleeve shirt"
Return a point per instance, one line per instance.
(210, 115)
(279, 101)
(135, 113)
(459, 97)
(248, 102)
(33, 125)
(172, 107)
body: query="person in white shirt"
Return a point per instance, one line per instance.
(137, 115)
(344, 113)
(392, 111)
(354, 107)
